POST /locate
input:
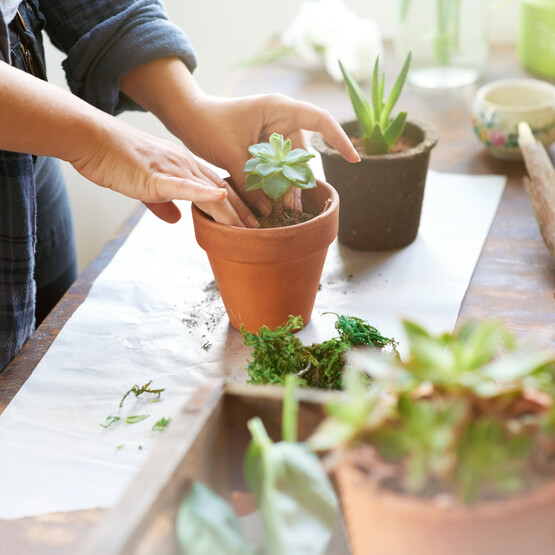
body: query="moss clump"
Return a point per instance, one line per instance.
(278, 353)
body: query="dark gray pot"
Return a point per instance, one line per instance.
(381, 196)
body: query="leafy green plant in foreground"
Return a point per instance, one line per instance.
(378, 130)
(469, 414)
(295, 499)
(279, 353)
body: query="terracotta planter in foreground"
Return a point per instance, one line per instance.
(381, 196)
(383, 522)
(265, 275)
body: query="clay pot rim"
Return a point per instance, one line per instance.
(430, 132)
(274, 231)
(411, 504)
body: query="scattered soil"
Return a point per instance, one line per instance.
(206, 314)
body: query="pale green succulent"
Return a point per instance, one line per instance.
(275, 168)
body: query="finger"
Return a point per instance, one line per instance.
(166, 211)
(312, 118)
(243, 211)
(292, 199)
(192, 189)
(222, 212)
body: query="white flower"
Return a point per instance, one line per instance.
(326, 30)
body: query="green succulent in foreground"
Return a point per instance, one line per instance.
(275, 168)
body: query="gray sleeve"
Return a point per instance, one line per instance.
(103, 47)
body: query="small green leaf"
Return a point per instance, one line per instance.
(251, 165)
(161, 424)
(110, 420)
(136, 418)
(276, 186)
(299, 173)
(253, 182)
(395, 91)
(379, 140)
(298, 155)
(265, 169)
(262, 150)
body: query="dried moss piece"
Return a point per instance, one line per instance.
(278, 353)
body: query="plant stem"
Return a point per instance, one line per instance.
(290, 416)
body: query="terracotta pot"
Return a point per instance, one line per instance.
(381, 197)
(265, 275)
(379, 522)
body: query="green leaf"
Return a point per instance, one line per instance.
(253, 182)
(161, 424)
(276, 141)
(377, 91)
(295, 498)
(110, 420)
(275, 186)
(299, 173)
(262, 150)
(298, 155)
(251, 165)
(395, 92)
(136, 418)
(361, 106)
(207, 525)
(379, 140)
(265, 169)
(395, 130)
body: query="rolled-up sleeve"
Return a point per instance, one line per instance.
(106, 39)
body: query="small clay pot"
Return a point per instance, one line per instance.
(380, 521)
(381, 196)
(266, 275)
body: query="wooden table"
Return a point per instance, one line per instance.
(514, 279)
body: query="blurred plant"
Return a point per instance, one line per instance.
(469, 413)
(446, 37)
(325, 30)
(379, 131)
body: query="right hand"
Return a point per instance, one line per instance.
(157, 172)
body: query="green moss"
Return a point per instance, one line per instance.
(278, 353)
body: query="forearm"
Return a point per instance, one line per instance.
(166, 88)
(39, 118)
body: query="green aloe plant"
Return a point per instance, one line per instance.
(275, 168)
(468, 413)
(378, 130)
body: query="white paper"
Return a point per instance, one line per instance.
(154, 313)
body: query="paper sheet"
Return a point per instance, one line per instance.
(154, 313)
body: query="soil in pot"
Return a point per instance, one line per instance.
(381, 196)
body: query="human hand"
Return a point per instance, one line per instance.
(157, 172)
(230, 125)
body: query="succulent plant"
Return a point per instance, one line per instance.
(378, 130)
(275, 168)
(469, 413)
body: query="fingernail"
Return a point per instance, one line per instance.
(253, 222)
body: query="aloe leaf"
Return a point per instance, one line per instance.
(361, 106)
(206, 524)
(379, 140)
(395, 129)
(395, 92)
(377, 91)
(253, 182)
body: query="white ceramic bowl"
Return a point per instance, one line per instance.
(500, 106)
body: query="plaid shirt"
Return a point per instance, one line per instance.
(103, 40)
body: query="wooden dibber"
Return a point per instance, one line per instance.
(541, 183)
